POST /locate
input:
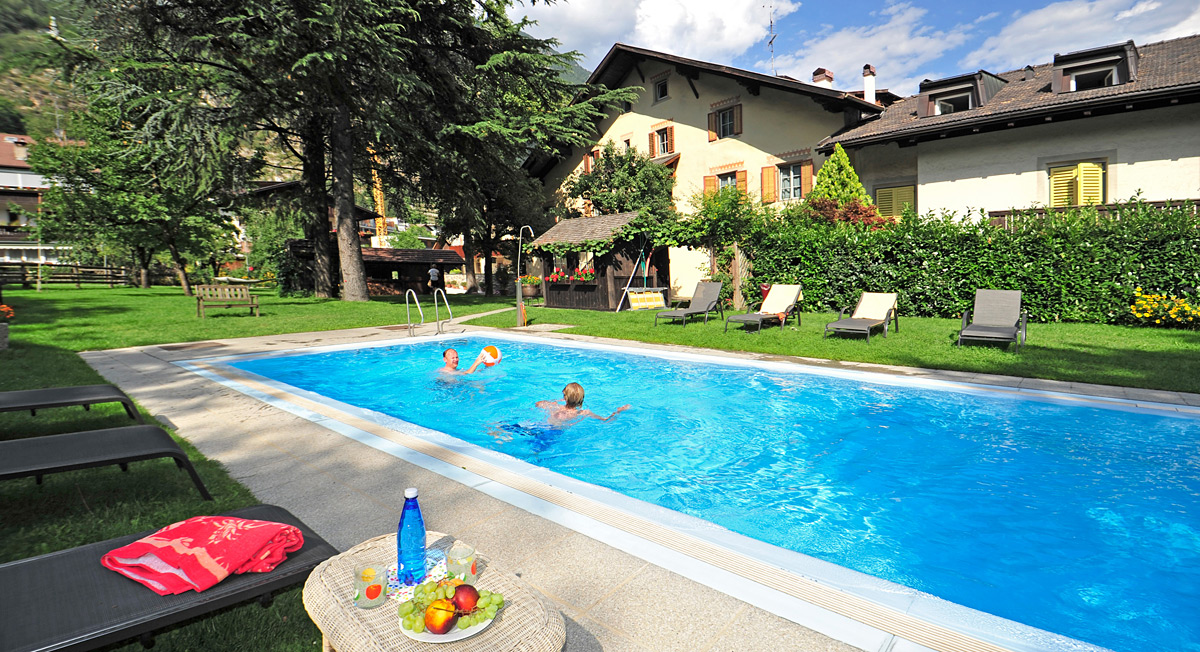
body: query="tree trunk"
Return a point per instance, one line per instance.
(469, 266)
(180, 269)
(354, 274)
(737, 269)
(143, 258)
(316, 227)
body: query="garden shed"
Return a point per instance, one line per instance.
(389, 271)
(609, 258)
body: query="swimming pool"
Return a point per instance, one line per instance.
(1076, 517)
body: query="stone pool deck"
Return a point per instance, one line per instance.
(348, 491)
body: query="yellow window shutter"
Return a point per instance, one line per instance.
(806, 177)
(903, 196)
(770, 184)
(1091, 183)
(670, 140)
(885, 202)
(710, 184)
(737, 119)
(1062, 186)
(741, 181)
(712, 126)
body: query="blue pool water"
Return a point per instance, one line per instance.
(1077, 519)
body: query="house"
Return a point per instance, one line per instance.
(19, 185)
(716, 126)
(1090, 127)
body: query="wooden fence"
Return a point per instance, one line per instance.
(27, 274)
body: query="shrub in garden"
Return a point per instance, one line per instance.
(1163, 310)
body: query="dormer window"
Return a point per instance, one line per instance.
(1086, 70)
(951, 103)
(1087, 79)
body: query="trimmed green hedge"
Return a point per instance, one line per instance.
(1071, 266)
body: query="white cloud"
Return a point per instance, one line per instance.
(899, 48)
(711, 30)
(1060, 27)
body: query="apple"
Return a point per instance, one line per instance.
(465, 597)
(440, 617)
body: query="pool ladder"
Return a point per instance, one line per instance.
(437, 316)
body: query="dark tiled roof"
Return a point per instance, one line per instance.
(584, 229)
(424, 256)
(1164, 68)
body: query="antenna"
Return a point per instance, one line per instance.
(771, 41)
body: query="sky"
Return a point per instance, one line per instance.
(907, 41)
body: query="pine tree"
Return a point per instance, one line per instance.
(838, 181)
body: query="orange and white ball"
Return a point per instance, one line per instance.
(491, 355)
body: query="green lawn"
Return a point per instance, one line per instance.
(70, 509)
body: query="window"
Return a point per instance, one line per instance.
(726, 180)
(789, 182)
(660, 90)
(951, 103)
(1084, 80)
(891, 201)
(1077, 184)
(664, 142)
(717, 182)
(724, 123)
(628, 145)
(626, 107)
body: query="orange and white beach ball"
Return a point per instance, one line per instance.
(491, 355)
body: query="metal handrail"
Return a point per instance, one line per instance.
(437, 317)
(408, 310)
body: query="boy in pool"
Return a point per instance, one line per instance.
(571, 410)
(450, 356)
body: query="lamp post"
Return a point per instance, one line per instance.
(520, 286)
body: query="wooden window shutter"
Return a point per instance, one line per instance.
(806, 177)
(885, 202)
(710, 184)
(1091, 183)
(670, 140)
(904, 196)
(770, 184)
(712, 126)
(737, 119)
(741, 181)
(653, 144)
(587, 163)
(1062, 186)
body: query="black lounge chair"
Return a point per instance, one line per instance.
(997, 317)
(67, 601)
(781, 300)
(50, 397)
(705, 299)
(38, 456)
(874, 309)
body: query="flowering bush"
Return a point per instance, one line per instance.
(584, 274)
(530, 279)
(558, 276)
(6, 313)
(1163, 310)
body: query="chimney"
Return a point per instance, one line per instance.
(20, 149)
(1029, 74)
(822, 78)
(869, 83)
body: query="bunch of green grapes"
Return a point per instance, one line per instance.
(412, 612)
(489, 603)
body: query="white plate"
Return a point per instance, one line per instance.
(455, 634)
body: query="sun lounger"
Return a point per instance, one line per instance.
(705, 299)
(38, 456)
(67, 601)
(781, 300)
(874, 309)
(997, 317)
(50, 397)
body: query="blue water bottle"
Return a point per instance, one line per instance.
(410, 540)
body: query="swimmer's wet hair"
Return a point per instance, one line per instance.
(574, 395)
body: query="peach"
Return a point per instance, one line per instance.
(465, 597)
(440, 617)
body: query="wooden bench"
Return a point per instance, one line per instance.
(224, 296)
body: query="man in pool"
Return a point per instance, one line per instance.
(450, 356)
(571, 408)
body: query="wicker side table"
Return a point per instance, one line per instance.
(528, 622)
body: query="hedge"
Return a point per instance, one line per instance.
(1070, 266)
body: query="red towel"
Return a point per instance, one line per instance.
(201, 551)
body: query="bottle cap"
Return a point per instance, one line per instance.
(411, 492)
